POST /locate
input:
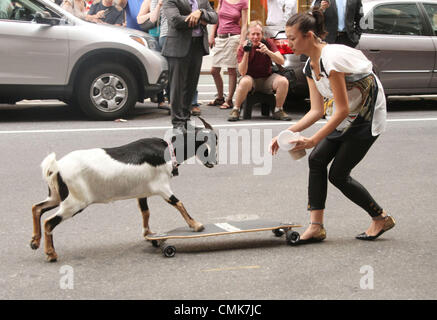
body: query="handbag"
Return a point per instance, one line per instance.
(289, 74)
(154, 32)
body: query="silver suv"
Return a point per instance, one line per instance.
(399, 37)
(47, 53)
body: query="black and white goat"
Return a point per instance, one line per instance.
(137, 170)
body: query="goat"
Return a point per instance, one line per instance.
(136, 170)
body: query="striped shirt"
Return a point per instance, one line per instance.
(162, 19)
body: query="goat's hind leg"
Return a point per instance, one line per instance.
(68, 209)
(196, 226)
(37, 211)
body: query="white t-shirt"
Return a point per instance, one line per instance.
(279, 11)
(354, 63)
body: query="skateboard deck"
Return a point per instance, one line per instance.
(224, 228)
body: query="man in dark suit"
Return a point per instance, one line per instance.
(186, 44)
(342, 20)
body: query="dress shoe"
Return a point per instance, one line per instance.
(388, 224)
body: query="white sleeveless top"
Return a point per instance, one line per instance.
(354, 63)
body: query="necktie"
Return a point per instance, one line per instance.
(197, 32)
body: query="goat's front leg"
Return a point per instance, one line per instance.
(142, 203)
(37, 211)
(196, 226)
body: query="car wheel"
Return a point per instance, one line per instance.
(107, 91)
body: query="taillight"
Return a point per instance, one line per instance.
(283, 47)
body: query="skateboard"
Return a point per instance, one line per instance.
(223, 228)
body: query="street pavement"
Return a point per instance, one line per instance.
(102, 254)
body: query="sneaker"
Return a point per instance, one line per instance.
(281, 115)
(235, 115)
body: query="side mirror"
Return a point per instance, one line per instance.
(43, 17)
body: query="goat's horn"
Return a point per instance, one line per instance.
(206, 124)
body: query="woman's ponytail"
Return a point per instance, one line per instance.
(319, 17)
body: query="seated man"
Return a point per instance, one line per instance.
(104, 11)
(255, 67)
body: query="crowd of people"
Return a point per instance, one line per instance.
(229, 34)
(232, 42)
(341, 82)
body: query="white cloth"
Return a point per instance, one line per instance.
(351, 61)
(224, 53)
(279, 11)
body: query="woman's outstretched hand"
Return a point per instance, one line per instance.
(274, 147)
(301, 143)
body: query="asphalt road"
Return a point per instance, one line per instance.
(102, 254)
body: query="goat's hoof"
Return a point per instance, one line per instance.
(199, 227)
(147, 232)
(34, 244)
(52, 257)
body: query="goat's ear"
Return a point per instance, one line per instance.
(206, 124)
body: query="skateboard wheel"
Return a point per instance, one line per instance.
(278, 232)
(169, 251)
(155, 243)
(292, 237)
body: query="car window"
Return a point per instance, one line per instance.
(431, 11)
(21, 10)
(396, 19)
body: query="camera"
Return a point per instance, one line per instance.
(248, 46)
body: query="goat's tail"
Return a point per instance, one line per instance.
(50, 172)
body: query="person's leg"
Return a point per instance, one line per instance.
(177, 79)
(349, 155)
(232, 76)
(216, 75)
(195, 103)
(278, 84)
(161, 99)
(245, 85)
(195, 64)
(318, 161)
(162, 40)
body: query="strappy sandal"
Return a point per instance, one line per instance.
(216, 102)
(227, 105)
(314, 239)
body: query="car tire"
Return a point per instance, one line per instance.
(107, 91)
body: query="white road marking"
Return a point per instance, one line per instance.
(232, 268)
(222, 125)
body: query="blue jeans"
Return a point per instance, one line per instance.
(161, 45)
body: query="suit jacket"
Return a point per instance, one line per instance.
(179, 34)
(354, 13)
